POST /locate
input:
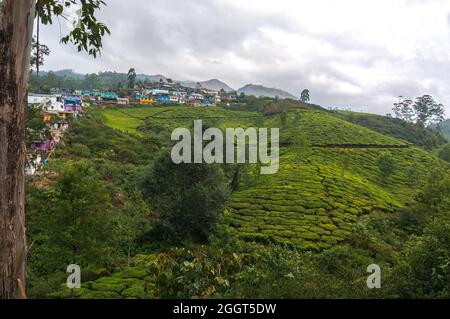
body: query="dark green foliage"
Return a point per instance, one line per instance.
(434, 198)
(188, 198)
(76, 205)
(386, 164)
(131, 78)
(423, 270)
(304, 97)
(444, 153)
(70, 222)
(283, 120)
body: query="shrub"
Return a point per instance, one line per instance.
(188, 198)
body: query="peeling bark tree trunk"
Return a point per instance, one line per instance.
(16, 28)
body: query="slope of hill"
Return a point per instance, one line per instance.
(326, 182)
(331, 200)
(217, 85)
(262, 91)
(397, 128)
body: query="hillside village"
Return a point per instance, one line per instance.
(63, 105)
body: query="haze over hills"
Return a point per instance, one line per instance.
(262, 91)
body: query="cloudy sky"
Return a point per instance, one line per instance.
(360, 54)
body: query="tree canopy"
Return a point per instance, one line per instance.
(39, 52)
(188, 199)
(87, 33)
(424, 111)
(305, 96)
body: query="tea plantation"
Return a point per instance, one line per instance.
(329, 174)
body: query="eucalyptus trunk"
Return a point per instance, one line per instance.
(16, 29)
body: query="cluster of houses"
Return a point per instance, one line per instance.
(57, 111)
(171, 94)
(157, 93)
(61, 105)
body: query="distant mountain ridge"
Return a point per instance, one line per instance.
(262, 91)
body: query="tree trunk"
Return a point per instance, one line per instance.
(38, 45)
(16, 28)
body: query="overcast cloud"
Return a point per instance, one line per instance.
(360, 54)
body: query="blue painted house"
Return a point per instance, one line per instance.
(72, 104)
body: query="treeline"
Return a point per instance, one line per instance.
(396, 127)
(105, 81)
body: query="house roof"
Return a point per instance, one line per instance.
(72, 99)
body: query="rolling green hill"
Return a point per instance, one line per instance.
(329, 175)
(410, 132)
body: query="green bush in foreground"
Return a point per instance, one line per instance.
(189, 199)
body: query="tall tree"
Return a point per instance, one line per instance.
(424, 111)
(428, 111)
(40, 51)
(131, 78)
(404, 110)
(16, 29)
(16, 24)
(305, 97)
(188, 198)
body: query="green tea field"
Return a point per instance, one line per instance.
(329, 174)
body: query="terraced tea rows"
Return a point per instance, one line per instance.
(328, 178)
(312, 204)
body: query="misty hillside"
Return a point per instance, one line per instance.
(262, 91)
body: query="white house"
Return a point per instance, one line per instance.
(51, 103)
